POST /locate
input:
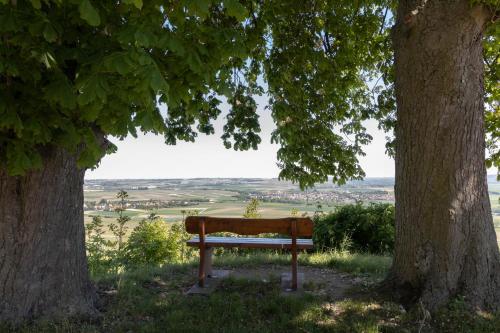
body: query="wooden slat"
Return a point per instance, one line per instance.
(242, 226)
(267, 243)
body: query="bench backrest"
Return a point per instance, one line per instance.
(294, 226)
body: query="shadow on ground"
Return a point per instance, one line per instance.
(154, 300)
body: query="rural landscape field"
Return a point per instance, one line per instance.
(172, 199)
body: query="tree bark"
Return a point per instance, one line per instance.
(43, 264)
(445, 240)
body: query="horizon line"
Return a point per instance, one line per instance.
(274, 178)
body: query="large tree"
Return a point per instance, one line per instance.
(74, 72)
(331, 67)
(445, 239)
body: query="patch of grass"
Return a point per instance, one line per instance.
(353, 263)
(153, 299)
(457, 318)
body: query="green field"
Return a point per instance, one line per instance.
(224, 203)
(225, 199)
(224, 209)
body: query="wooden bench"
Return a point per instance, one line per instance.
(293, 226)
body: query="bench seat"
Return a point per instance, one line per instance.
(250, 242)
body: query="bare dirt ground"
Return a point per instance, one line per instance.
(318, 281)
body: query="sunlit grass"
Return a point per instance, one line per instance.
(354, 263)
(153, 299)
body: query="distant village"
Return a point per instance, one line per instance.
(111, 205)
(325, 196)
(337, 197)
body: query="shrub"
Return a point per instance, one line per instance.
(356, 228)
(179, 236)
(252, 209)
(151, 243)
(98, 248)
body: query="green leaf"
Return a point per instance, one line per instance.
(49, 33)
(48, 60)
(20, 159)
(89, 90)
(175, 44)
(92, 152)
(157, 82)
(137, 3)
(11, 120)
(236, 9)
(61, 92)
(199, 7)
(89, 13)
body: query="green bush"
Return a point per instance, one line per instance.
(356, 228)
(98, 248)
(152, 242)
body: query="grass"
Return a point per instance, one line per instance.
(153, 300)
(354, 263)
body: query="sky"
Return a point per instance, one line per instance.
(147, 156)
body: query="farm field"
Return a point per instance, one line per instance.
(229, 197)
(224, 209)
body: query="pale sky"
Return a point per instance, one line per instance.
(149, 157)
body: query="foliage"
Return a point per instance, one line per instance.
(178, 236)
(492, 98)
(252, 209)
(108, 255)
(98, 248)
(357, 228)
(120, 230)
(185, 213)
(151, 243)
(322, 57)
(74, 71)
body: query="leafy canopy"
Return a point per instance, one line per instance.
(74, 71)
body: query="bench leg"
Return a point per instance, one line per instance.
(294, 270)
(205, 268)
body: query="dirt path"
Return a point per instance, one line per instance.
(318, 281)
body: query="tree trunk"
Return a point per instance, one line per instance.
(445, 240)
(43, 265)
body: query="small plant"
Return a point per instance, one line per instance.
(179, 237)
(252, 209)
(120, 229)
(151, 243)
(185, 213)
(97, 247)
